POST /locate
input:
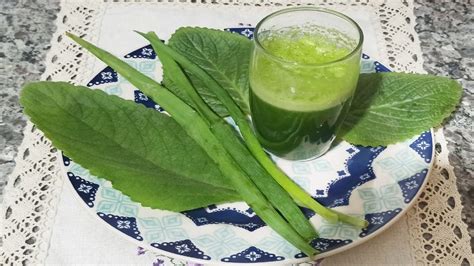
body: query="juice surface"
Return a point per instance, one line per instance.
(300, 92)
(307, 47)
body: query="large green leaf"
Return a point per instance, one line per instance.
(224, 55)
(145, 154)
(391, 107)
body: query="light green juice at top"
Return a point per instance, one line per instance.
(302, 81)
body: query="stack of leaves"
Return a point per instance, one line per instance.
(194, 158)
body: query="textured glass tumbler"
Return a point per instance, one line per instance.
(303, 73)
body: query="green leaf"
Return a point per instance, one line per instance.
(145, 154)
(391, 107)
(224, 55)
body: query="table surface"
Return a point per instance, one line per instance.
(447, 41)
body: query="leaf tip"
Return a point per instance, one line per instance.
(140, 33)
(70, 35)
(76, 38)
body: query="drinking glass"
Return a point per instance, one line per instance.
(303, 73)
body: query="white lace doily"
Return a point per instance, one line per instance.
(438, 235)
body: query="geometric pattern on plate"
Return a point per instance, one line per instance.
(375, 183)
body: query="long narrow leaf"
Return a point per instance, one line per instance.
(272, 190)
(198, 129)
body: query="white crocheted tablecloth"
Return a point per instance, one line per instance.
(38, 209)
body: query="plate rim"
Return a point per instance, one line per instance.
(288, 261)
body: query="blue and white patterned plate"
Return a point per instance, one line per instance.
(378, 184)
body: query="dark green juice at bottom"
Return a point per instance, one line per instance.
(295, 135)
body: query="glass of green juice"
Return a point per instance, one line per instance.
(303, 73)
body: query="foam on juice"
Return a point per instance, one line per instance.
(307, 74)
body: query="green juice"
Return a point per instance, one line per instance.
(300, 92)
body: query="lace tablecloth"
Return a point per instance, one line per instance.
(431, 233)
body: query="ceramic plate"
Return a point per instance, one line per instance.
(378, 184)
